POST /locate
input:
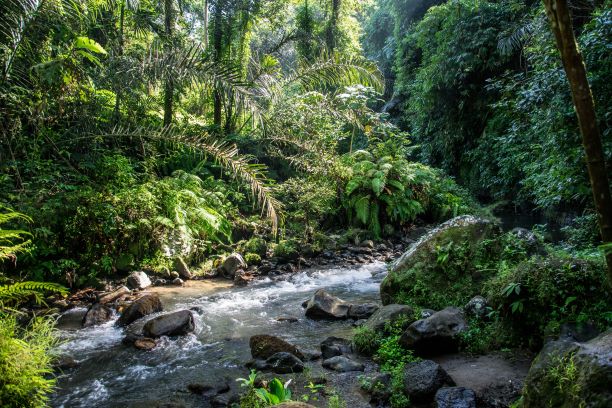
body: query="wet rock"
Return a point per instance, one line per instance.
(63, 363)
(579, 332)
(264, 346)
(97, 314)
(138, 280)
(389, 314)
(225, 400)
(231, 264)
(425, 313)
(145, 343)
(590, 364)
(294, 404)
(379, 388)
(181, 267)
(362, 311)
(174, 275)
(368, 243)
(284, 363)
(288, 319)
(178, 282)
(423, 379)
(419, 261)
(335, 346)
(209, 389)
(311, 355)
(322, 305)
(455, 397)
(342, 364)
(160, 282)
(71, 319)
(438, 334)
(113, 296)
(146, 305)
(477, 307)
(171, 324)
(242, 278)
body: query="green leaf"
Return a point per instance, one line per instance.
(362, 209)
(378, 184)
(89, 44)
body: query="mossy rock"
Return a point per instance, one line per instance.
(438, 270)
(286, 249)
(567, 374)
(256, 245)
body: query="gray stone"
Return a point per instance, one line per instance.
(362, 311)
(181, 267)
(97, 314)
(423, 379)
(171, 324)
(438, 334)
(146, 305)
(138, 280)
(284, 363)
(455, 397)
(389, 314)
(477, 307)
(335, 346)
(322, 305)
(231, 264)
(342, 364)
(264, 346)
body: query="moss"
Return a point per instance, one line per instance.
(256, 245)
(252, 259)
(286, 249)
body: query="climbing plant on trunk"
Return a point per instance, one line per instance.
(561, 23)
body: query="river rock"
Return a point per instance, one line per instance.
(178, 282)
(419, 262)
(243, 278)
(362, 311)
(477, 307)
(64, 362)
(342, 364)
(231, 264)
(389, 314)
(423, 379)
(455, 397)
(322, 305)
(438, 334)
(171, 324)
(145, 343)
(294, 404)
(264, 346)
(113, 296)
(71, 319)
(587, 368)
(209, 389)
(335, 346)
(182, 268)
(146, 305)
(284, 363)
(138, 280)
(97, 314)
(379, 388)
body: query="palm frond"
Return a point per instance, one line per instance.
(223, 152)
(19, 292)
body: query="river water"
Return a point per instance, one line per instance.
(110, 374)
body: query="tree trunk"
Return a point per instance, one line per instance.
(116, 110)
(575, 69)
(168, 84)
(332, 27)
(218, 48)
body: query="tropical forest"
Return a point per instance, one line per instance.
(306, 203)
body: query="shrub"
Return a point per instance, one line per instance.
(366, 340)
(252, 259)
(256, 245)
(25, 362)
(286, 249)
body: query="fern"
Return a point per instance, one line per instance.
(17, 293)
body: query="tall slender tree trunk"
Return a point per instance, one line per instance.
(575, 69)
(218, 49)
(332, 27)
(168, 83)
(116, 110)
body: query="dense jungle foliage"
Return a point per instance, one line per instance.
(135, 132)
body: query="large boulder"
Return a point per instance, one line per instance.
(389, 314)
(322, 305)
(569, 374)
(146, 305)
(423, 379)
(437, 334)
(97, 314)
(455, 397)
(182, 268)
(231, 264)
(138, 280)
(263, 346)
(342, 364)
(419, 264)
(171, 324)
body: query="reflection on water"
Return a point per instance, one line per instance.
(112, 375)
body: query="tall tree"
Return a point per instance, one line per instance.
(168, 46)
(575, 69)
(331, 34)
